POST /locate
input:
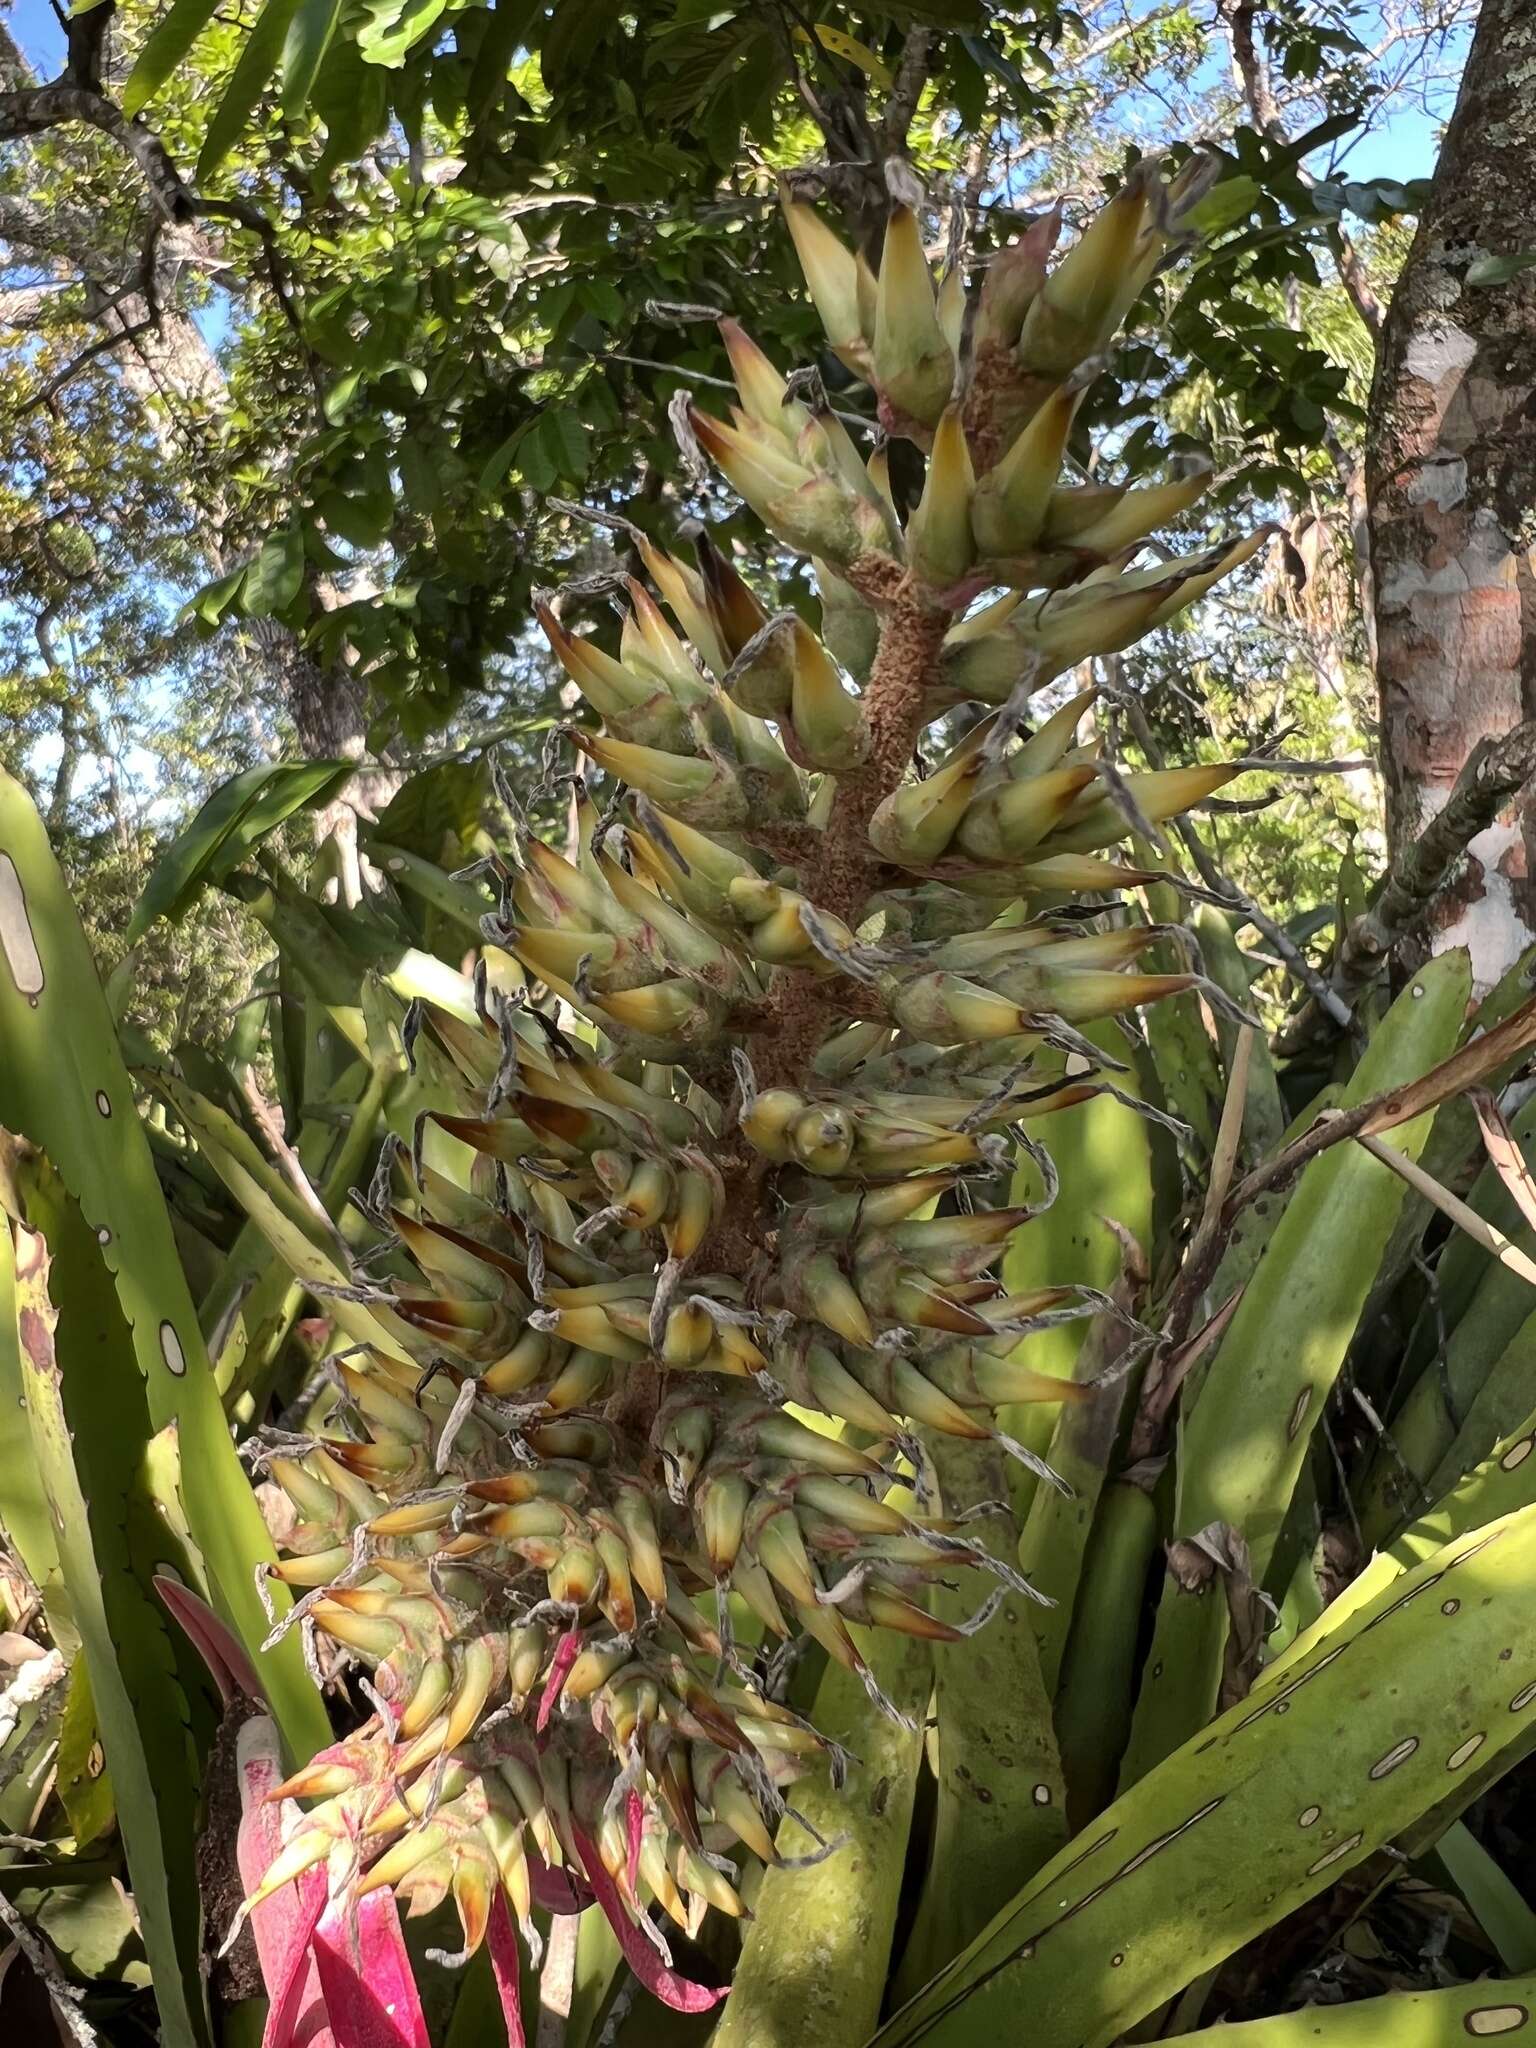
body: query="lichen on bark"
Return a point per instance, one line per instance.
(1450, 468)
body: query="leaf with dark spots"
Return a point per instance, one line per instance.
(89, 1432)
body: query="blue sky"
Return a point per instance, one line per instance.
(35, 26)
(1404, 148)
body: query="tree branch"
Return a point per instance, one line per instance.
(857, 147)
(1248, 63)
(911, 77)
(15, 71)
(45, 231)
(64, 774)
(35, 109)
(23, 305)
(104, 344)
(1352, 276)
(246, 215)
(85, 43)
(1496, 770)
(32, 110)
(1238, 17)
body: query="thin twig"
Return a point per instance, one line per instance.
(1465, 1067)
(849, 419)
(65, 1996)
(1477, 1227)
(1228, 891)
(1229, 1134)
(287, 1159)
(1496, 770)
(1166, 1375)
(1504, 1153)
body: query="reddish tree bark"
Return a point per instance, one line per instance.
(1451, 478)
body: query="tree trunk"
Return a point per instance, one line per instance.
(1451, 478)
(330, 717)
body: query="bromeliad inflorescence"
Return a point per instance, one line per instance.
(717, 1150)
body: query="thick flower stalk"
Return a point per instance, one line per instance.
(719, 1153)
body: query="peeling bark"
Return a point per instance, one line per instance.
(1451, 479)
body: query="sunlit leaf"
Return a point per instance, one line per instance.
(250, 78)
(169, 42)
(238, 816)
(309, 37)
(1491, 270)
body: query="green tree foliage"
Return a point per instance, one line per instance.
(454, 260)
(449, 269)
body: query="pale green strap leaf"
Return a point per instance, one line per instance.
(72, 1331)
(309, 37)
(238, 816)
(1487, 2011)
(64, 1085)
(1496, 1902)
(169, 43)
(258, 61)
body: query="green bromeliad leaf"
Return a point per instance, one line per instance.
(1246, 1434)
(1487, 2011)
(238, 816)
(63, 1085)
(436, 812)
(814, 1963)
(24, 1519)
(85, 1784)
(88, 1452)
(1325, 1761)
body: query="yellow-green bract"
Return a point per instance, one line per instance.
(814, 1963)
